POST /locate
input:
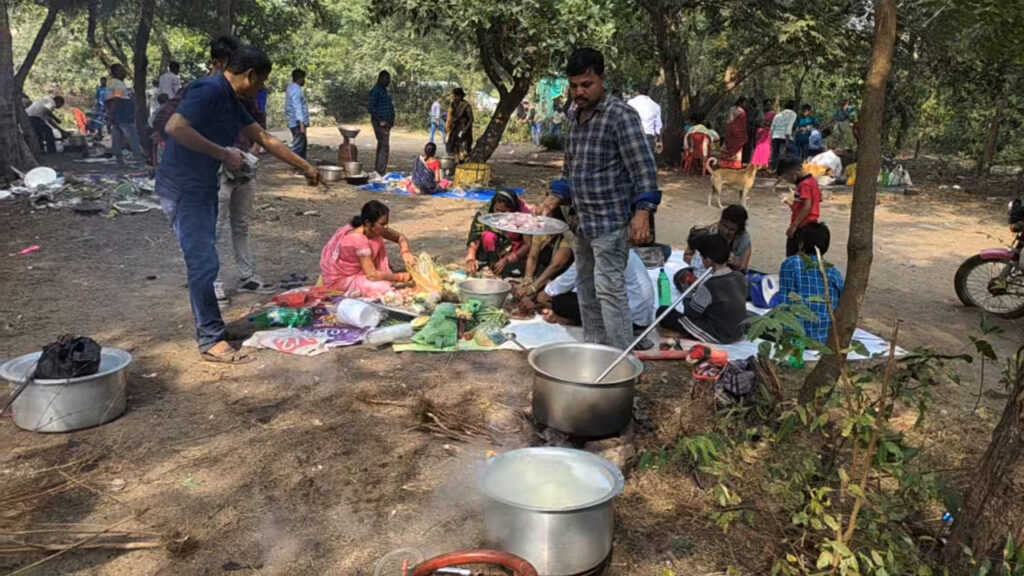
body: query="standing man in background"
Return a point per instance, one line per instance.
(296, 112)
(782, 131)
(121, 113)
(650, 116)
(435, 121)
(170, 81)
(611, 179)
(382, 115)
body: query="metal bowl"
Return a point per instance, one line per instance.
(489, 292)
(331, 173)
(565, 396)
(353, 168)
(357, 179)
(348, 133)
(73, 403)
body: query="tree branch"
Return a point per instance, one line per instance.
(490, 65)
(37, 46)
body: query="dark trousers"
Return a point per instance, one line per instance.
(383, 134)
(195, 224)
(671, 321)
(568, 306)
(45, 135)
(793, 244)
(299, 142)
(778, 151)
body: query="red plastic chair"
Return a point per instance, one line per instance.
(697, 151)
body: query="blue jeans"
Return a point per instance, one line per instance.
(536, 129)
(601, 288)
(194, 221)
(120, 132)
(299, 143)
(434, 128)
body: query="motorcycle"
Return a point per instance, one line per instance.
(994, 279)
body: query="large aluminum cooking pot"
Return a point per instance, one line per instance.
(73, 403)
(330, 173)
(565, 397)
(552, 507)
(490, 292)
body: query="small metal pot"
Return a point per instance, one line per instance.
(565, 397)
(331, 173)
(557, 538)
(489, 292)
(71, 404)
(353, 168)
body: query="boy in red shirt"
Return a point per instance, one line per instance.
(805, 203)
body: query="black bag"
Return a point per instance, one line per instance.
(68, 357)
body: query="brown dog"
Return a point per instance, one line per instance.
(740, 179)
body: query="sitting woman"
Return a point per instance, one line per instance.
(356, 259)
(732, 225)
(716, 310)
(426, 174)
(549, 257)
(504, 252)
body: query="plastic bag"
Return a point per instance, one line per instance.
(68, 357)
(358, 313)
(289, 341)
(425, 275)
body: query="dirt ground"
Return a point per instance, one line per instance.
(311, 465)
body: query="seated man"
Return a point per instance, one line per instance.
(714, 312)
(561, 305)
(800, 275)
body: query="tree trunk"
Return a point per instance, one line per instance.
(225, 17)
(13, 149)
(670, 57)
(140, 85)
(488, 142)
(989, 154)
(862, 212)
(798, 89)
(37, 45)
(994, 507)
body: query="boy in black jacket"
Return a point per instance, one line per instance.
(716, 310)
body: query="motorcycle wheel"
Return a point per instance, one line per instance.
(978, 284)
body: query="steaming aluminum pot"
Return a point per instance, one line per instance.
(557, 538)
(565, 397)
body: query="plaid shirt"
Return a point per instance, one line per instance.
(803, 278)
(382, 108)
(609, 168)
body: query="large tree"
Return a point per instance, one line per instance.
(860, 243)
(14, 150)
(518, 43)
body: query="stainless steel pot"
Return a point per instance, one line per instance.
(331, 173)
(561, 531)
(565, 397)
(353, 168)
(488, 291)
(71, 404)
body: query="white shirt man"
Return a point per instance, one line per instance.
(42, 108)
(170, 82)
(639, 289)
(650, 115)
(782, 125)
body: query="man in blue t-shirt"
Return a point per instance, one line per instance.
(202, 133)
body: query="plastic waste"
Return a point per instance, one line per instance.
(358, 313)
(290, 317)
(389, 334)
(664, 289)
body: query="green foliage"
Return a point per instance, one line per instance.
(551, 142)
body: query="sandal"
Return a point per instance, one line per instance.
(235, 357)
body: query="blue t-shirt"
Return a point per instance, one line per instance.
(214, 111)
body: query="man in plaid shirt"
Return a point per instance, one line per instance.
(610, 179)
(800, 275)
(382, 116)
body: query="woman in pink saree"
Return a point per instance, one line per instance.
(356, 259)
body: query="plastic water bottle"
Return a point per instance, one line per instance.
(389, 334)
(664, 289)
(796, 358)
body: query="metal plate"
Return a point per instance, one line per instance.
(545, 226)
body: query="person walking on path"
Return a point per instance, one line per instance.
(382, 115)
(170, 81)
(782, 131)
(610, 179)
(650, 116)
(203, 132)
(121, 113)
(297, 112)
(436, 122)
